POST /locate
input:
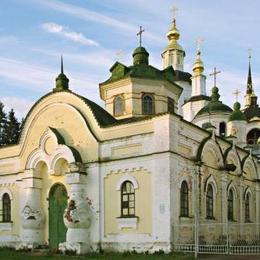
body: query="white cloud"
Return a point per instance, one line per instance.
(20, 105)
(65, 32)
(89, 15)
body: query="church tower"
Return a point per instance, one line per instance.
(198, 98)
(173, 55)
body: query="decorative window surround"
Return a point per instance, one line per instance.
(130, 222)
(6, 226)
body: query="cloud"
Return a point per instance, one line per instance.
(20, 105)
(65, 32)
(89, 15)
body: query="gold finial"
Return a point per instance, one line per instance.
(214, 73)
(199, 42)
(141, 31)
(120, 54)
(236, 93)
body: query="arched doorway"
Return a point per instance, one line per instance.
(57, 204)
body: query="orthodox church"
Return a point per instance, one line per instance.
(161, 153)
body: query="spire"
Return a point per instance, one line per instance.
(62, 82)
(61, 65)
(250, 97)
(249, 88)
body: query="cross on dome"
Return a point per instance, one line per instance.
(236, 93)
(141, 31)
(173, 10)
(214, 73)
(199, 42)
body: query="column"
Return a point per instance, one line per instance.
(31, 214)
(77, 216)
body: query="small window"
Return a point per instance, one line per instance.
(148, 104)
(6, 208)
(247, 208)
(210, 202)
(230, 206)
(127, 199)
(119, 106)
(222, 129)
(170, 105)
(184, 199)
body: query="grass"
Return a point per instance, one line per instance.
(9, 254)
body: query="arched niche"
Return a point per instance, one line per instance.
(61, 167)
(41, 168)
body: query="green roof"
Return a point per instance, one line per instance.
(215, 105)
(237, 115)
(142, 69)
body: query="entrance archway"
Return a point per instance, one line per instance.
(57, 204)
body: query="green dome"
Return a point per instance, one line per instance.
(62, 82)
(214, 106)
(141, 56)
(237, 115)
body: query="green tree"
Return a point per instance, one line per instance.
(3, 123)
(12, 129)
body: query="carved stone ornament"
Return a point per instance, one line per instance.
(77, 214)
(31, 218)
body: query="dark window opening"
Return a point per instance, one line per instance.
(247, 208)
(230, 205)
(148, 104)
(222, 129)
(184, 199)
(127, 199)
(118, 106)
(209, 202)
(6, 208)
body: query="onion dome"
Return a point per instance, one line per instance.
(173, 36)
(215, 105)
(141, 56)
(62, 82)
(198, 66)
(237, 115)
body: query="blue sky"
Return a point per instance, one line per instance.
(90, 33)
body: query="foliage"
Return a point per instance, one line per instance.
(10, 127)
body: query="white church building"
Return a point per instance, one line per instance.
(138, 174)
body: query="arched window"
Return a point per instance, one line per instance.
(247, 208)
(148, 106)
(184, 196)
(119, 106)
(222, 129)
(127, 199)
(6, 208)
(253, 136)
(231, 205)
(210, 202)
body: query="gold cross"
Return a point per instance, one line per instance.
(140, 35)
(174, 10)
(199, 42)
(214, 73)
(236, 93)
(120, 54)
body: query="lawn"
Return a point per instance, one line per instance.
(7, 254)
